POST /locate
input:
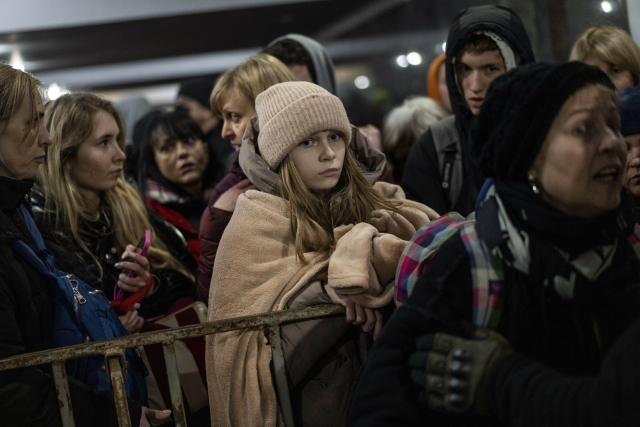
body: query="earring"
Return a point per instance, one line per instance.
(534, 185)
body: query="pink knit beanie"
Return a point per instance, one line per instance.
(290, 112)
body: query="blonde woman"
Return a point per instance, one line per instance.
(233, 100)
(613, 51)
(91, 216)
(317, 232)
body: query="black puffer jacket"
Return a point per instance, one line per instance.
(27, 396)
(422, 178)
(99, 237)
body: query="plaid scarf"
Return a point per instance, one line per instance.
(162, 194)
(510, 246)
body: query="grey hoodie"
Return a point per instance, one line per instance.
(322, 63)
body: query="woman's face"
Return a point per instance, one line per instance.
(319, 159)
(20, 156)
(620, 77)
(236, 110)
(580, 166)
(180, 162)
(99, 160)
(632, 173)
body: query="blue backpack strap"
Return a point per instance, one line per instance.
(487, 274)
(77, 322)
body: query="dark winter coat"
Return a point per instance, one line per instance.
(28, 396)
(99, 237)
(423, 174)
(570, 331)
(557, 400)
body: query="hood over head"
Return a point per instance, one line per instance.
(504, 27)
(266, 180)
(322, 62)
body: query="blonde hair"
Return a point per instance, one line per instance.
(611, 45)
(14, 86)
(251, 78)
(69, 120)
(313, 218)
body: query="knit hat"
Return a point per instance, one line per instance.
(290, 112)
(197, 89)
(630, 111)
(518, 111)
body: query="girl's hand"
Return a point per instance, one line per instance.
(152, 414)
(136, 263)
(131, 321)
(370, 319)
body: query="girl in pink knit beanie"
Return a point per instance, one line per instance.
(317, 232)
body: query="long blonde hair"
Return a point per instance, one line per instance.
(251, 78)
(313, 218)
(69, 120)
(611, 45)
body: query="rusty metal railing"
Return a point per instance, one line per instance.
(113, 351)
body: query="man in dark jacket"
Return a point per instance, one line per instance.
(483, 43)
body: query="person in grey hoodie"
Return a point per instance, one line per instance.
(307, 59)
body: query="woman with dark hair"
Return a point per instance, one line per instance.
(176, 172)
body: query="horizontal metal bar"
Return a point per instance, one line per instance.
(170, 335)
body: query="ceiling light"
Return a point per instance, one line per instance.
(606, 6)
(444, 46)
(402, 61)
(16, 60)
(362, 82)
(414, 58)
(54, 91)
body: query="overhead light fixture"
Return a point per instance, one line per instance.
(16, 60)
(402, 61)
(414, 58)
(362, 82)
(606, 6)
(54, 91)
(444, 46)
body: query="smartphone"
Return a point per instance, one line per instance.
(141, 248)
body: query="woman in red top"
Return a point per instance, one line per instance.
(176, 172)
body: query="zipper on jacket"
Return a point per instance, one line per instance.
(76, 292)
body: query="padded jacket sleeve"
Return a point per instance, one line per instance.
(523, 392)
(421, 180)
(214, 222)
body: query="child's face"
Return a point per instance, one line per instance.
(319, 159)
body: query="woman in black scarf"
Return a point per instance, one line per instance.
(552, 234)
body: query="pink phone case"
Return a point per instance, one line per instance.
(145, 242)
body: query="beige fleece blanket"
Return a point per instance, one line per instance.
(256, 271)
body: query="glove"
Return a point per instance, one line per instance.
(452, 370)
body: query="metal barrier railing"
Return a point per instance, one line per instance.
(113, 351)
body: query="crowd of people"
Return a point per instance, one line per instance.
(485, 245)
